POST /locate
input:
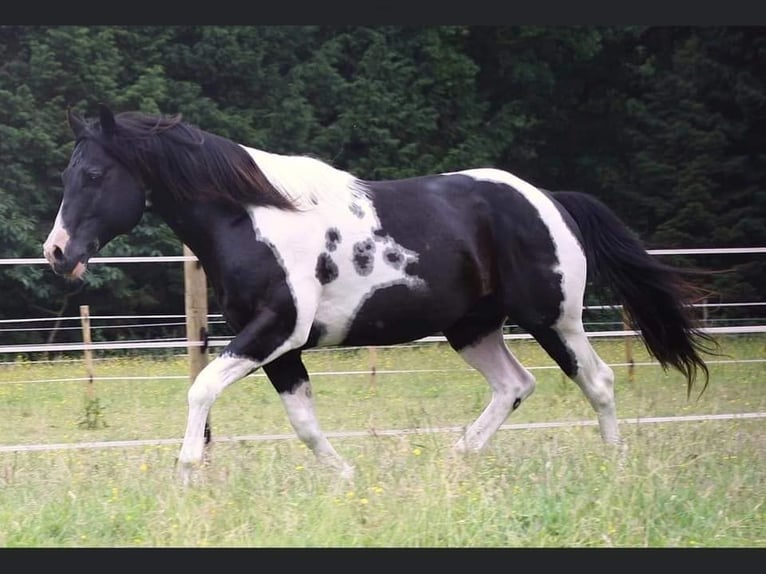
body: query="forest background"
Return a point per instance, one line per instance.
(666, 124)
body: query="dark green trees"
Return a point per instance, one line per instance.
(665, 124)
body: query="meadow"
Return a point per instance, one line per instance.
(697, 483)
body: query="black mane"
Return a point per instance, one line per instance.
(190, 163)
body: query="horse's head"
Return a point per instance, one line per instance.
(102, 198)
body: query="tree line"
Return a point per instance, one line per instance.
(667, 125)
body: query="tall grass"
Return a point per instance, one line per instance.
(679, 483)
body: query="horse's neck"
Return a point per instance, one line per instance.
(194, 223)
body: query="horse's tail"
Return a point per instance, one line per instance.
(656, 298)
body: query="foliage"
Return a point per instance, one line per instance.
(666, 124)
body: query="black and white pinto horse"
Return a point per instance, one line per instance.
(301, 255)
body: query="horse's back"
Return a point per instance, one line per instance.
(434, 248)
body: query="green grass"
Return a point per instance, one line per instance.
(680, 484)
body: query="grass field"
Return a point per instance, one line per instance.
(688, 484)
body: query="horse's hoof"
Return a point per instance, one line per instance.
(463, 448)
(187, 473)
(347, 472)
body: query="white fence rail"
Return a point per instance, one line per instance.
(220, 342)
(184, 344)
(182, 258)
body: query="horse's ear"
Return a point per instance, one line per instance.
(75, 122)
(108, 125)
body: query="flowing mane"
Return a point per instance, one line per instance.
(190, 163)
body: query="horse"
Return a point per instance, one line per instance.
(301, 254)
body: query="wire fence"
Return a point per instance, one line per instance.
(174, 335)
(607, 322)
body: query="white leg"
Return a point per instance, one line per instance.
(596, 380)
(299, 405)
(511, 383)
(211, 381)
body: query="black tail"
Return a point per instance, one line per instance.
(656, 298)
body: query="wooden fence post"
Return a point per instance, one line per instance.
(195, 297)
(87, 352)
(628, 348)
(373, 368)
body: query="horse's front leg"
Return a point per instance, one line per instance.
(209, 383)
(290, 379)
(263, 339)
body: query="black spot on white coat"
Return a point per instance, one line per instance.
(394, 257)
(332, 238)
(364, 256)
(326, 269)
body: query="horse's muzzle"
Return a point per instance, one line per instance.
(70, 267)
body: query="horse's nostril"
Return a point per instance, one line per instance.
(58, 255)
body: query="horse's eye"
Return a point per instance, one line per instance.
(94, 175)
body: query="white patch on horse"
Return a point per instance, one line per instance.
(308, 181)
(59, 238)
(569, 253)
(283, 233)
(358, 263)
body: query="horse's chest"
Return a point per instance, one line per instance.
(335, 264)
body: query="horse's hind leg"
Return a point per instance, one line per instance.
(289, 377)
(568, 345)
(511, 383)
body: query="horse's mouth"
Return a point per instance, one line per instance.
(69, 267)
(78, 271)
(75, 273)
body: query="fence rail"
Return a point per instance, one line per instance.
(177, 344)
(182, 258)
(221, 341)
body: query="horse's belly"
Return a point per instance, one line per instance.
(384, 314)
